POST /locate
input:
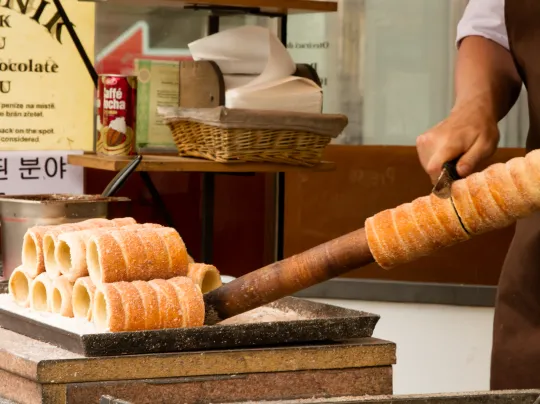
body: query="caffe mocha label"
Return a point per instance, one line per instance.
(113, 98)
(46, 93)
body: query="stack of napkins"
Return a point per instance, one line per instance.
(258, 71)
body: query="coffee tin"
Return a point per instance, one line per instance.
(116, 105)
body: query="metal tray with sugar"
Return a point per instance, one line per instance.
(286, 321)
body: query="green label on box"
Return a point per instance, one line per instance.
(157, 86)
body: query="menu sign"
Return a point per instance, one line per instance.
(47, 172)
(46, 93)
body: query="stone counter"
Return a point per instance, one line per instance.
(35, 372)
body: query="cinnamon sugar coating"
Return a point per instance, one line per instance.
(61, 298)
(140, 305)
(412, 230)
(40, 293)
(492, 199)
(19, 287)
(150, 303)
(170, 311)
(83, 297)
(39, 243)
(206, 277)
(142, 253)
(498, 196)
(32, 256)
(108, 310)
(134, 314)
(70, 250)
(191, 301)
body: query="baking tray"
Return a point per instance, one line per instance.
(318, 322)
(491, 397)
(477, 397)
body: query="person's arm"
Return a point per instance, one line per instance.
(486, 79)
(487, 86)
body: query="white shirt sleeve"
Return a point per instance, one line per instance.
(484, 18)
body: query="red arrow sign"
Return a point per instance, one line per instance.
(118, 56)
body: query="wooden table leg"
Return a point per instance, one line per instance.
(156, 197)
(280, 213)
(207, 206)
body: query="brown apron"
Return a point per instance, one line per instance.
(515, 360)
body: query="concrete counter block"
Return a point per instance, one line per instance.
(35, 372)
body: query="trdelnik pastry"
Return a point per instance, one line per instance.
(492, 199)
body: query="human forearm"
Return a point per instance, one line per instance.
(487, 85)
(486, 80)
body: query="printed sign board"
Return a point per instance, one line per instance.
(44, 172)
(46, 93)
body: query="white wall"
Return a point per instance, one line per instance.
(440, 349)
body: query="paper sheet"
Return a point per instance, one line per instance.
(258, 71)
(294, 94)
(237, 80)
(245, 50)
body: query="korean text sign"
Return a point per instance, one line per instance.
(32, 173)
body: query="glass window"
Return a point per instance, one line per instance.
(161, 32)
(389, 65)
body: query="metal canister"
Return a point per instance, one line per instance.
(116, 120)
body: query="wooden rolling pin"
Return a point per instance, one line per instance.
(484, 201)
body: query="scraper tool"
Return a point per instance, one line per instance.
(448, 175)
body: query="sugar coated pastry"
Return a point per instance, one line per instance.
(70, 251)
(83, 298)
(411, 230)
(206, 277)
(141, 305)
(141, 254)
(40, 293)
(492, 199)
(19, 287)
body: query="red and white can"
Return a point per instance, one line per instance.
(116, 104)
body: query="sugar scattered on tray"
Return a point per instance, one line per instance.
(78, 326)
(263, 314)
(328, 400)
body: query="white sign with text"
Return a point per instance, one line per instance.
(46, 94)
(39, 172)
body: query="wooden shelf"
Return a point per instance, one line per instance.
(264, 6)
(175, 163)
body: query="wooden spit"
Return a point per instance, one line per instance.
(286, 277)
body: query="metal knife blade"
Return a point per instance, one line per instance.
(448, 175)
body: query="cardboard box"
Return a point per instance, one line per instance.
(157, 86)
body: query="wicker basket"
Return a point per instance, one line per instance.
(233, 135)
